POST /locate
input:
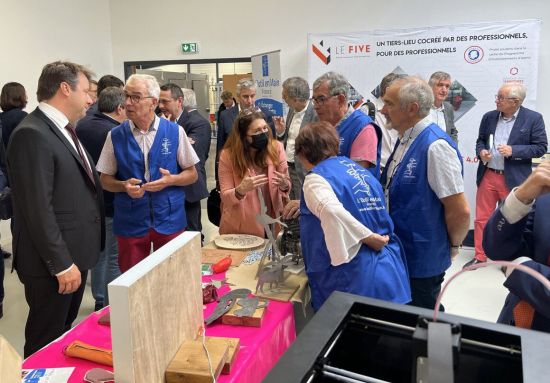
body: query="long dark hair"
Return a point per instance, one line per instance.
(239, 148)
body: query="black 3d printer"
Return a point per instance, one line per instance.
(355, 339)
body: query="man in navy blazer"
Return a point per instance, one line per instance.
(509, 138)
(246, 98)
(180, 104)
(518, 231)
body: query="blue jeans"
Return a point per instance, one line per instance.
(107, 268)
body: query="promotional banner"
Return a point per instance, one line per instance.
(266, 72)
(479, 57)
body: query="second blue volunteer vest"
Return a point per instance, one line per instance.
(381, 275)
(350, 128)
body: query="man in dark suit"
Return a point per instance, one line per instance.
(103, 83)
(58, 202)
(181, 105)
(92, 131)
(300, 113)
(442, 112)
(246, 98)
(518, 231)
(509, 138)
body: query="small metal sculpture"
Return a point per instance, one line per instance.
(249, 306)
(226, 303)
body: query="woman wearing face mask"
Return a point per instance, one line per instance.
(251, 161)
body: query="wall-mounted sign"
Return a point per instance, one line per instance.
(190, 47)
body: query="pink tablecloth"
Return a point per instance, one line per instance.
(260, 347)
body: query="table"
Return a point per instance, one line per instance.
(259, 351)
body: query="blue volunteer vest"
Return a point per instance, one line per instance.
(417, 212)
(164, 210)
(350, 128)
(381, 275)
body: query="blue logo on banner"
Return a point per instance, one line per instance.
(265, 66)
(274, 106)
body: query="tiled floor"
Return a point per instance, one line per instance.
(478, 294)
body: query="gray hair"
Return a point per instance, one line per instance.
(110, 99)
(337, 83)
(516, 90)
(297, 88)
(245, 83)
(415, 89)
(151, 83)
(438, 76)
(189, 98)
(388, 80)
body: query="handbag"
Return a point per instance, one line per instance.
(213, 207)
(6, 208)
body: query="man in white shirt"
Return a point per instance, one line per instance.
(424, 188)
(301, 113)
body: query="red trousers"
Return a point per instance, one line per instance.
(490, 192)
(132, 250)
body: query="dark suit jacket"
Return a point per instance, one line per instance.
(449, 114)
(10, 120)
(527, 139)
(58, 211)
(528, 237)
(92, 132)
(198, 128)
(309, 116)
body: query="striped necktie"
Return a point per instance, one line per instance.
(85, 163)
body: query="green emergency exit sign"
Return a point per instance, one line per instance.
(189, 47)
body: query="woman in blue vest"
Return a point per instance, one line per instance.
(346, 233)
(251, 161)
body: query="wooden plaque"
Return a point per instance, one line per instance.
(252, 321)
(10, 363)
(155, 307)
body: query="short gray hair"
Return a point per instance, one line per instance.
(151, 83)
(189, 98)
(388, 80)
(516, 90)
(337, 83)
(414, 89)
(245, 83)
(110, 99)
(297, 88)
(438, 76)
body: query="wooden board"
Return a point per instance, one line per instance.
(155, 307)
(283, 293)
(10, 363)
(252, 321)
(215, 255)
(190, 364)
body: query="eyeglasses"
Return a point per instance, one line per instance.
(321, 100)
(502, 98)
(135, 98)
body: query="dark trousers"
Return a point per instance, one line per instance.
(193, 214)
(1, 278)
(424, 291)
(50, 314)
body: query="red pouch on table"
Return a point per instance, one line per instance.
(209, 294)
(78, 349)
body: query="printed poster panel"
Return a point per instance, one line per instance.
(479, 57)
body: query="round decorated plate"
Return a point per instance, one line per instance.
(238, 241)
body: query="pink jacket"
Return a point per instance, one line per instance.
(239, 216)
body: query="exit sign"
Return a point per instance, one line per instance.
(190, 47)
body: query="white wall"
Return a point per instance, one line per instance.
(143, 30)
(36, 32)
